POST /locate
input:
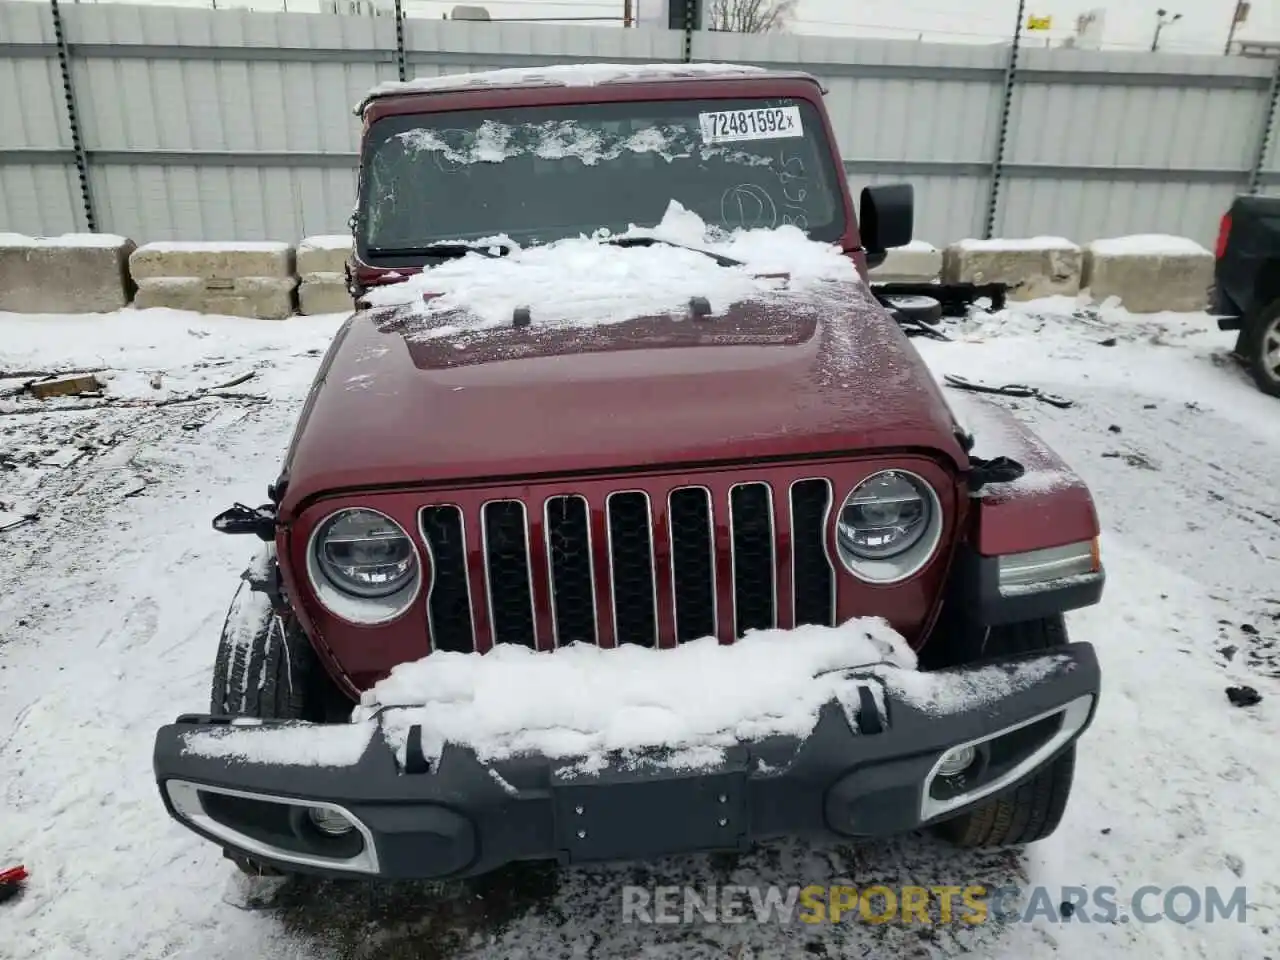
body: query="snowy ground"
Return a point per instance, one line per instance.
(110, 602)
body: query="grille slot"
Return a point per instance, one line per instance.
(635, 614)
(449, 602)
(573, 598)
(506, 566)
(693, 562)
(813, 578)
(752, 550)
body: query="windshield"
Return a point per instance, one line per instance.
(544, 173)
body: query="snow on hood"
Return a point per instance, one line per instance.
(583, 703)
(581, 281)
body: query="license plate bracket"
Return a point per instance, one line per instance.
(625, 815)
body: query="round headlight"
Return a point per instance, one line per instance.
(365, 554)
(888, 527)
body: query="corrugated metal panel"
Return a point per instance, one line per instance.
(249, 89)
(1134, 126)
(40, 199)
(219, 106)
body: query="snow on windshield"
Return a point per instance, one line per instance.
(611, 283)
(494, 142)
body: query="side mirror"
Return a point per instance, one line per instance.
(886, 218)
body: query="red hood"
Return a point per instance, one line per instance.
(810, 376)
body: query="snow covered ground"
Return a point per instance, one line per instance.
(111, 599)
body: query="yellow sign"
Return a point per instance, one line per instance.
(1039, 23)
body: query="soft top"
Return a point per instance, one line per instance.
(574, 75)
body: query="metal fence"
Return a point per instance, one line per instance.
(165, 123)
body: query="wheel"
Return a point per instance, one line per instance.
(267, 668)
(1032, 810)
(265, 665)
(1259, 345)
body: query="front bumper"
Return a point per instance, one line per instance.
(866, 770)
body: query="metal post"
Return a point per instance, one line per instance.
(73, 117)
(690, 14)
(1002, 136)
(1264, 136)
(400, 61)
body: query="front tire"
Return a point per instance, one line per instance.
(266, 668)
(264, 663)
(1259, 346)
(1032, 810)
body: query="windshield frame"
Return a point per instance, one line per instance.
(427, 106)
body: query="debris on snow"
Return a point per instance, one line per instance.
(64, 386)
(1243, 696)
(12, 882)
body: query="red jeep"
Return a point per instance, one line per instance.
(474, 480)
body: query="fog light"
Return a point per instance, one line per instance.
(956, 761)
(329, 822)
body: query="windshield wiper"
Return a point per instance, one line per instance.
(650, 241)
(449, 250)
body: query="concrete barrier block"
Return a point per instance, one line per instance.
(1150, 273)
(1033, 268)
(916, 262)
(212, 261)
(323, 255)
(324, 293)
(72, 273)
(262, 298)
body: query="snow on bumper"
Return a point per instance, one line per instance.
(872, 765)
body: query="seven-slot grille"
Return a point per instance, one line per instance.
(716, 564)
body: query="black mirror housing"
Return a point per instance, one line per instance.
(886, 219)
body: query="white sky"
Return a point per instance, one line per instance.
(1129, 24)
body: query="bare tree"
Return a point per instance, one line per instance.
(750, 16)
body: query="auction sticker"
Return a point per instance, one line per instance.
(763, 123)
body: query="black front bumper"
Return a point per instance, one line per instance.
(861, 773)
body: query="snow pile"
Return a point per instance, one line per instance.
(1148, 245)
(612, 283)
(337, 241)
(81, 240)
(215, 246)
(998, 245)
(582, 702)
(565, 75)
(304, 745)
(942, 694)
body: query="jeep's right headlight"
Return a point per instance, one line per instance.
(888, 527)
(363, 565)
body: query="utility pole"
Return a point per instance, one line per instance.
(1161, 23)
(626, 13)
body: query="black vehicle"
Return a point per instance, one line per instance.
(1246, 295)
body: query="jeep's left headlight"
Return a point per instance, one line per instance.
(363, 565)
(888, 527)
